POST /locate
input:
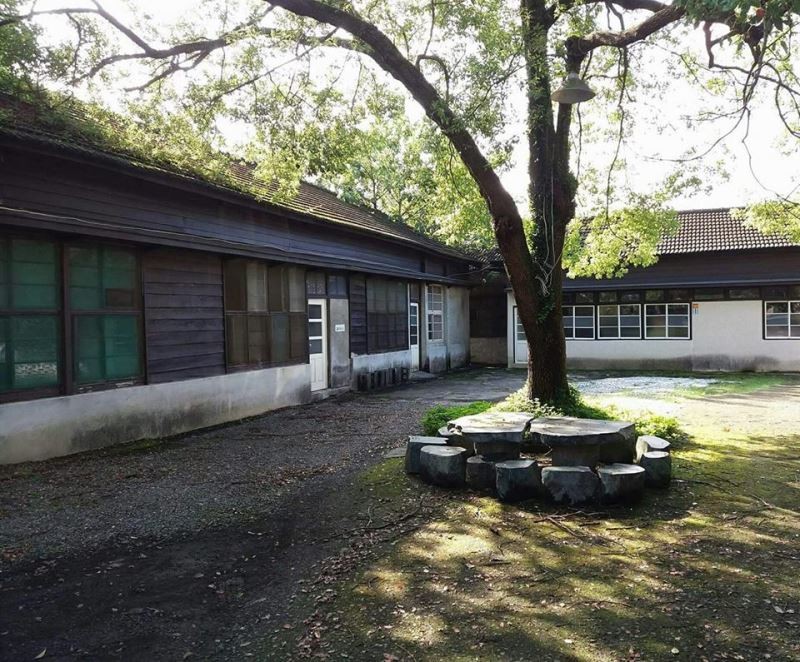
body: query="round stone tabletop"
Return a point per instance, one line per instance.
(568, 431)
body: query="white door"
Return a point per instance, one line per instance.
(318, 343)
(520, 341)
(413, 334)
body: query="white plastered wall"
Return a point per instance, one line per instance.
(726, 335)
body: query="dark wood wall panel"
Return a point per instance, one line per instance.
(184, 315)
(758, 267)
(125, 204)
(358, 314)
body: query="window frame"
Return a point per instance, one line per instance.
(8, 312)
(573, 316)
(391, 320)
(72, 314)
(431, 314)
(667, 316)
(619, 335)
(789, 324)
(295, 319)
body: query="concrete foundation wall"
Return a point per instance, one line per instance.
(726, 336)
(41, 429)
(366, 363)
(339, 342)
(488, 351)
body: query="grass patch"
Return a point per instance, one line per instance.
(735, 384)
(573, 404)
(705, 570)
(438, 415)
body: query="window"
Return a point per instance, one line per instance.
(30, 322)
(578, 322)
(679, 295)
(782, 319)
(607, 297)
(434, 303)
(709, 294)
(265, 316)
(315, 284)
(520, 330)
(666, 320)
(744, 293)
(584, 297)
(105, 314)
(654, 296)
(387, 315)
(337, 286)
(622, 321)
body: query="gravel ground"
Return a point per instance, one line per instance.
(643, 385)
(207, 479)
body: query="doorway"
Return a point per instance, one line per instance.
(318, 343)
(413, 335)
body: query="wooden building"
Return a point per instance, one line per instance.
(139, 302)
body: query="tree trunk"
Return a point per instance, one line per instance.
(552, 193)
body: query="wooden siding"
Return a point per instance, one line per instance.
(184, 315)
(758, 267)
(358, 314)
(103, 203)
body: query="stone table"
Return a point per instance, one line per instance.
(585, 441)
(493, 426)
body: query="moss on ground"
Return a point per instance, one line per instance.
(705, 570)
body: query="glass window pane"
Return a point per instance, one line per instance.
(584, 332)
(297, 291)
(315, 283)
(744, 293)
(257, 339)
(298, 334)
(629, 310)
(314, 311)
(88, 349)
(656, 331)
(679, 295)
(654, 295)
(709, 294)
(776, 292)
(121, 338)
(236, 339)
(235, 280)
(678, 331)
(256, 287)
(795, 307)
(101, 277)
(607, 297)
(656, 310)
(278, 289)
(279, 337)
(777, 331)
(630, 297)
(774, 307)
(29, 348)
(34, 275)
(315, 328)
(629, 332)
(608, 331)
(584, 297)
(315, 346)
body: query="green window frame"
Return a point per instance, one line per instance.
(104, 303)
(31, 362)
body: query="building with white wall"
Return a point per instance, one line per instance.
(722, 296)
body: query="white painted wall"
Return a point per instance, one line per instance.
(51, 427)
(726, 335)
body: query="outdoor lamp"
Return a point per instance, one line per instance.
(574, 90)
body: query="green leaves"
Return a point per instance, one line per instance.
(775, 217)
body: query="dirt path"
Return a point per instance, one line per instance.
(192, 547)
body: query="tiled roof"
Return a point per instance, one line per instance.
(311, 200)
(700, 231)
(710, 230)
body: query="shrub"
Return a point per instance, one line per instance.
(438, 416)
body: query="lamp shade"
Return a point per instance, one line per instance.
(574, 90)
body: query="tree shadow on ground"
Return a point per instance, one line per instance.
(704, 570)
